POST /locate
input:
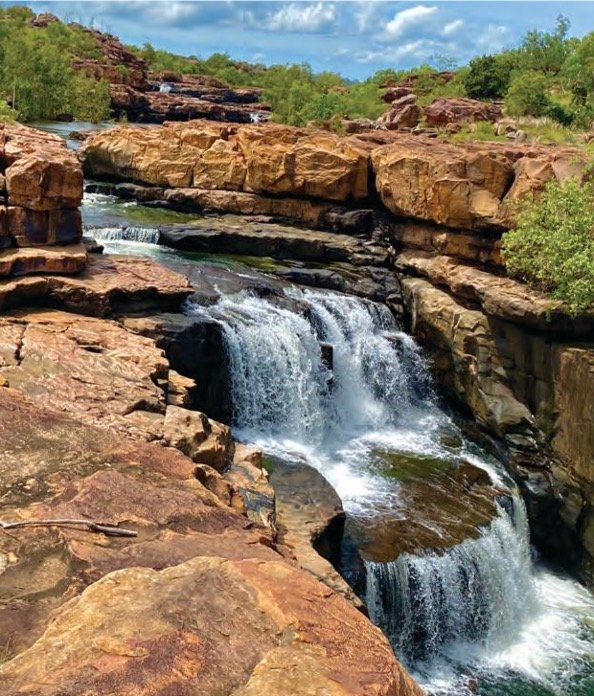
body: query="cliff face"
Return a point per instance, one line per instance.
(95, 425)
(509, 355)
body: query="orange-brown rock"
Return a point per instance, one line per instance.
(43, 259)
(445, 110)
(108, 284)
(468, 185)
(41, 173)
(263, 159)
(165, 610)
(497, 296)
(404, 113)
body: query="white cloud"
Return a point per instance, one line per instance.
(393, 54)
(301, 17)
(494, 38)
(365, 14)
(452, 27)
(405, 19)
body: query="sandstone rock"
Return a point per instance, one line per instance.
(42, 174)
(204, 441)
(393, 93)
(467, 357)
(163, 617)
(499, 297)
(234, 235)
(30, 228)
(248, 477)
(404, 113)
(68, 259)
(475, 248)
(444, 110)
(464, 186)
(107, 285)
(310, 521)
(268, 159)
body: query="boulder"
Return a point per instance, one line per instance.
(43, 259)
(445, 110)
(404, 113)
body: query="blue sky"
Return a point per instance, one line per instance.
(353, 38)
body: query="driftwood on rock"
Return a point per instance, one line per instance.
(95, 527)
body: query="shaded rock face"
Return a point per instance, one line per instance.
(445, 110)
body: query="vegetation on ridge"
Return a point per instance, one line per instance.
(552, 244)
(36, 73)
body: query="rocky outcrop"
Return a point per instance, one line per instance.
(467, 186)
(133, 613)
(266, 160)
(290, 172)
(445, 110)
(41, 189)
(94, 426)
(404, 113)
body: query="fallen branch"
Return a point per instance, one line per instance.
(96, 527)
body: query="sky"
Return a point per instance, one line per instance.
(352, 38)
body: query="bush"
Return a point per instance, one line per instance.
(527, 95)
(487, 77)
(552, 244)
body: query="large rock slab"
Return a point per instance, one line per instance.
(166, 609)
(467, 185)
(108, 285)
(444, 110)
(263, 159)
(44, 259)
(498, 296)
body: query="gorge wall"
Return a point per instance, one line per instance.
(506, 354)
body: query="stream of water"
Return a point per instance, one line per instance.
(332, 380)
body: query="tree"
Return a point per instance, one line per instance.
(527, 95)
(487, 77)
(546, 51)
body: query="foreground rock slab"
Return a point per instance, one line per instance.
(165, 611)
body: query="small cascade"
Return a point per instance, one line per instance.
(469, 601)
(144, 235)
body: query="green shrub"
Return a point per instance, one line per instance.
(527, 95)
(487, 77)
(552, 244)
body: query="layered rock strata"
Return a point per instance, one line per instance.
(40, 191)
(506, 354)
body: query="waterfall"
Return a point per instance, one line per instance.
(144, 235)
(471, 599)
(331, 379)
(282, 383)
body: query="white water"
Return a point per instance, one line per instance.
(480, 609)
(143, 235)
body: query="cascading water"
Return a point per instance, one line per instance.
(460, 620)
(464, 602)
(142, 235)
